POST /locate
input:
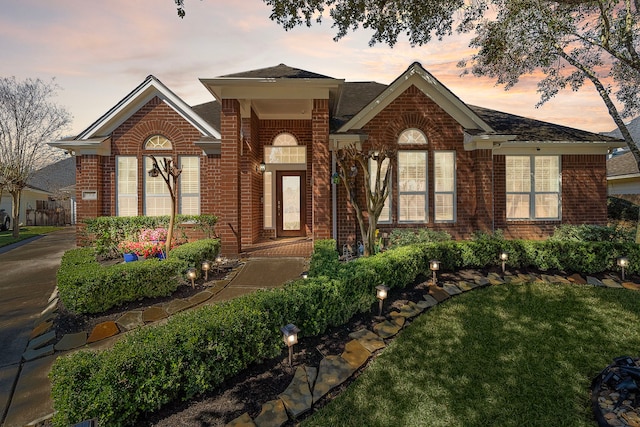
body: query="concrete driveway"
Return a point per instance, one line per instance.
(27, 279)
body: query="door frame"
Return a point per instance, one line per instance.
(280, 232)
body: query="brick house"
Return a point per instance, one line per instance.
(262, 154)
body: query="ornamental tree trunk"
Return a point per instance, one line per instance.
(15, 212)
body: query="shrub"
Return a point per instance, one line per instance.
(197, 350)
(85, 286)
(621, 209)
(411, 236)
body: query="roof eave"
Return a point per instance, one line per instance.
(100, 146)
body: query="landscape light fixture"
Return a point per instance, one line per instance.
(191, 275)
(206, 266)
(290, 337)
(305, 275)
(434, 265)
(381, 293)
(504, 256)
(622, 263)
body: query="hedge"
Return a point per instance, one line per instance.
(197, 350)
(86, 286)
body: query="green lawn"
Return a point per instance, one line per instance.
(502, 356)
(25, 233)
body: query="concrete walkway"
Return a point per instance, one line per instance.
(27, 279)
(24, 386)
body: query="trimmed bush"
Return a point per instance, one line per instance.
(621, 209)
(593, 233)
(197, 350)
(85, 286)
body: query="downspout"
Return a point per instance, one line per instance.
(334, 199)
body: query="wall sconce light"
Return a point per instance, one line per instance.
(622, 263)
(504, 256)
(206, 266)
(191, 275)
(381, 293)
(290, 337)
(434, 265)
(261, 167)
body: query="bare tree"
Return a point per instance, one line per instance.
(170, 174)
(28, 120)
(355, 174)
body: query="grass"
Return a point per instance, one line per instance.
(501, 356)
(25, 233)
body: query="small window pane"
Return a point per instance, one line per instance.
(444, 171)
(547, 173)
(190, 185)
(444, 207)
(268, 200)
(157, 142)
(518, 174)
(127, 186)
(157, 200)
(547, 206)
(518, 206)
(413, 207)
(412, 136)
(385, 214)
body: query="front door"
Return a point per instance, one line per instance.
(290, 203)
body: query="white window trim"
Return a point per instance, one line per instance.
(182, 194)
(532, 193)
(415, 193)
(453, 193)
(127, 195)
(145, 195)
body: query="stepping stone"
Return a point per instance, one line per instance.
(610, 283)
(451, 289)
(593, 281)
(273, 414)
(560, 279)
(200, 297)
(548, 278)
(243, 420)
(297, 397)
(332, 372)
(368, 339)
(495, 277)
(430, 300)
(53, 295)
(153, 314)
(355, 354)
(527, 278)
(42, 328)
(423, 305)
(577, 279)
(103, 330)
(42, 340)
(177, 305)
(71, 341)
(470, 274)
(409, 310)
(482, 281)
(49, 316)
(438, 293)
(130, 320)
(30, 355)
(312, 375)
(631, 286)
(388, 328)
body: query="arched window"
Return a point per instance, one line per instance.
(285, 140)
(412, 136)
(157, 142)
(285, 149)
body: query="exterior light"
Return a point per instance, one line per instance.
(290, 337)
(504, 256)
(206, 266)
(261, 167)
(622, 263)
(154, 172)
(191, 275)
(305, 275)
(381, 293)
(434, 265)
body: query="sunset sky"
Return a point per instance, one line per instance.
(99, 51)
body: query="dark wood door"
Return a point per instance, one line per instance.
(290, 203)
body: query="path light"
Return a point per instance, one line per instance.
(191, 275)
(434, 265)
(206, 266)
(504, 256)
(218, 262)
(305, 275)
(381, 294)
(290, 336)
(622, 263)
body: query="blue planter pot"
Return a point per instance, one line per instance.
(130, 257)
(161, 255)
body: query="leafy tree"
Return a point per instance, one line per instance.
(353, 166)
(28, 120)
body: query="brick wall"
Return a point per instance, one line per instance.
(229, 228)
(321, 170)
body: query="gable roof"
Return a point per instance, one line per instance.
(280, 71)
(55, 176)
(622, 166)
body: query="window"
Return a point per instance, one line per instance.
(412, 186)
(268, 199)
(126, 186)
(157, 200)
(412, 136)
(157, 142)
(190, 185)
(285, 149)
(533, 187)
(444, 186)
(385, 214)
